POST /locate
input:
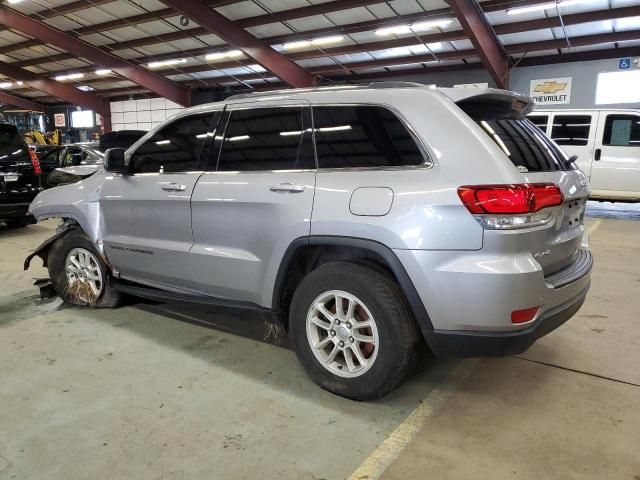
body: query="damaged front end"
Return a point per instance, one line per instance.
(42, 250)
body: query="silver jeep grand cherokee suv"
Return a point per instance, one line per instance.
(361, 219)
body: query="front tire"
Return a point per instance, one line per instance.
(352, 330)
(78, 273)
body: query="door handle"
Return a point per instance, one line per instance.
(287, 188)
(598, 154)
(174, 187)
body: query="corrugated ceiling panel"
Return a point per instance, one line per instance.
(381, 10)
(96, 39)
(590, 48)
(406, 7)
(209, 39)
(63, 23)
(354, 57)
(70, 63)
(35, 52)
(240, 10)
(462, 44)
(433, 4)
(280, 5)
(353, 15)
(269, 30)
(630, 23)
(502, 16)
(586, 6)
(592, 28)
(316, 62)
(9, 38)
(541, 53)
(94, 15)
(525, 37)
(310, 23)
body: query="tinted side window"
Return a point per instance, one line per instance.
(267, 139)
(622, 131)
(540, 121)
(571, 129)
(175, 148)
(363, 136)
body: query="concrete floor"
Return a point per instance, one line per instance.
(156, 391)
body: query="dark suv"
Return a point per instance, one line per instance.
(19, 177)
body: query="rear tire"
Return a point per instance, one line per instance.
(376, 338)
(73, 258)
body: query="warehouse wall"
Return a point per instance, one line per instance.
(143, 114)
(583, 87)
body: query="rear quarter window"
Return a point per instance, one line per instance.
(519, 138)
(12, 145)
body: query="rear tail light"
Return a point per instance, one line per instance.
(35, 162)
(511, 206)
(524, 316)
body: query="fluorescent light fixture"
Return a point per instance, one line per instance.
(86, 88)
(415, 27)
(103, 71)
(19, 83)
(204, 135)
(314, 41)
(629, 22)
(6, 85)
(71, 76)
(542, 6)
(163, 142)
(14, 1)
(327, 40)
(238, 138)
(291, 133)
(167, 63)
(420, 26)
(223, 55)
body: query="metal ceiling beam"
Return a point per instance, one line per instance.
(8, 99)
(156, 83)
(60, 90)
(283, 67)
(484, 39)
(301, 12)
(580, 56)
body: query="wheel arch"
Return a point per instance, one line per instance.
(307, 253)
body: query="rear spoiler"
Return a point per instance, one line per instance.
(502, 103)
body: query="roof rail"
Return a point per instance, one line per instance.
(328, 88)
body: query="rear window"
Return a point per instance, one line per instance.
(571, 129)
(520, 139)
(12, 146)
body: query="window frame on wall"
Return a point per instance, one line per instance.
(562, 141)
(217, 150)
(427, 158)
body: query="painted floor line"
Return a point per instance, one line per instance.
(378, 462)
(594, 226)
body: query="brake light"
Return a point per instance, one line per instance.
(524, 316)
(510, 199)
(35, 162)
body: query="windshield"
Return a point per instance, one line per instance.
(526, 145)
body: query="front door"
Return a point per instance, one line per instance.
(147, 213)
(255, 200)
(576, 134)
(616, 166)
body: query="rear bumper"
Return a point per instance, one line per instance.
(460, 343)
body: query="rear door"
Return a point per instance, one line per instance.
(616, 166)
(576, 134)
(254, 201)
(147, 213)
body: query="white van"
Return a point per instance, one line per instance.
(607, 143)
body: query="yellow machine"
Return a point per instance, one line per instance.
(31, 124)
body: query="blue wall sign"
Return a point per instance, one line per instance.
(624, 63)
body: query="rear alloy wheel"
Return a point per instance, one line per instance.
(342, 333)
(352, 330)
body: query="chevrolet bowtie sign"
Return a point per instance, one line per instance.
(551, 91)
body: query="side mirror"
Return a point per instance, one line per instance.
(114, 160)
